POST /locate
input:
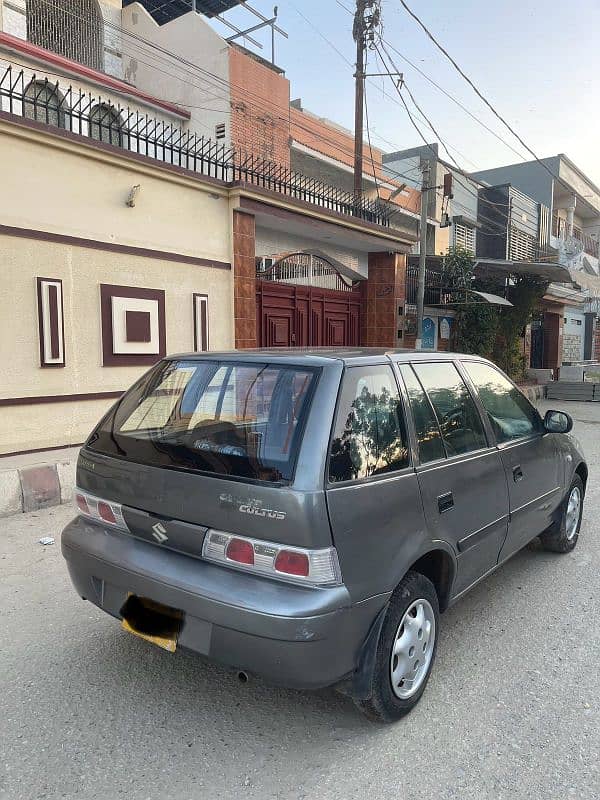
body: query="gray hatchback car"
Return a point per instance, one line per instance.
(306, 515)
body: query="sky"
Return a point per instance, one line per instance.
(537, 62)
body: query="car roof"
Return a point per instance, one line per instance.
(321, 356)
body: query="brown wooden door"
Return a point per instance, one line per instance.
(307, 316)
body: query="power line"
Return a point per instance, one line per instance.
(443, 91)
(462, 172)
(370, 147)
(480, 95)
(454, 100)
(428, 144)
(349, 63)
(217, 83)
(191, 68)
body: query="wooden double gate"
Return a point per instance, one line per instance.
(307, 316)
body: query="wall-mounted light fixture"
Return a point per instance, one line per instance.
(133, 195)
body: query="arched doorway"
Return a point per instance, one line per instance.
(304, 300)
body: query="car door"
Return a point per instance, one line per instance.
(372, 492)
(462, 481)
(529, 454)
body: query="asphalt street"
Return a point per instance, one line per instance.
(512, 709)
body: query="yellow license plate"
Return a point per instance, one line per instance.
(151, 621)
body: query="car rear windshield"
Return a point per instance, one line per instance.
(237, 419)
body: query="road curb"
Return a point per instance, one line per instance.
(31, 488)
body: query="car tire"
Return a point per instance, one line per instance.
(563, 535)
(411, 627)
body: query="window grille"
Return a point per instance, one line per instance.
(44, 103)
(107, 126)
(465, 237)
(71, 28)
(522, 245)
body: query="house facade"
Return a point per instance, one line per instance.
(453, 214)
(571, 238)
(141, 216)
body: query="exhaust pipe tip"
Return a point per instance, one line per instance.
(243, 677)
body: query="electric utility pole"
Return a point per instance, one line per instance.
(366, 19)
(422, 253)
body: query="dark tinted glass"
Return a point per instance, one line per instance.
(369, 437)
(212, 416)
(429, 437)
(510, 413)
(460, 423)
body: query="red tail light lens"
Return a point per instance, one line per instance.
(240, 551)
(292, 563)
(106, 513)
(300, 565)
(82, 504)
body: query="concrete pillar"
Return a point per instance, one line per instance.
(244, 280)
(571, 214)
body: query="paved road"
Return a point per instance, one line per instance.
(512, 710)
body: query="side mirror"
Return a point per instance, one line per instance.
(558, 422)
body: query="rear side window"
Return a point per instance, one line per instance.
(369, 436)
(243, 420)
(460, 423)
(431, 447)
(511, 415)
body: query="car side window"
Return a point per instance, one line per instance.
(431, 447)
(369, 436)
(511, 415)
(461, 426)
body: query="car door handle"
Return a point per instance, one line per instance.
(445, 502)
(517, 473)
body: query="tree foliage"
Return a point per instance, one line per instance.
(494, 332)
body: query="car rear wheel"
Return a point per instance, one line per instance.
(405, 650)
(563, 535)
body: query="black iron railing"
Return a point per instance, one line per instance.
(435, 294)
(103, 120)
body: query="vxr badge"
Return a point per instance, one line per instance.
(160, 533)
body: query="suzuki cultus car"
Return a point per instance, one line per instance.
(307, 515)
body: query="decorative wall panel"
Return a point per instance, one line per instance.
(200, 322)
(133, 325)
(51, 322)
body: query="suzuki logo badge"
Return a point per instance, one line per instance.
(160, 533)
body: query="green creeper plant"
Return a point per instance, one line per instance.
(494, 332)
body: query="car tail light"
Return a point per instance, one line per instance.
(82, 504)
(295, 564)
(241, 551)
(292, 563)
(104, 511)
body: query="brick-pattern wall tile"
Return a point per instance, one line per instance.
(260, 108)
(244, 280)
(384, 294)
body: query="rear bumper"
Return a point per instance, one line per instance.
(291, 635)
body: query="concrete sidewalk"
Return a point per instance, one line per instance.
(32, 481)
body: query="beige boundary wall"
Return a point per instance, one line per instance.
(63, 216)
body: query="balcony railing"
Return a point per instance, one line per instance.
(435, 294)
(100, 119)
(560, 230)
